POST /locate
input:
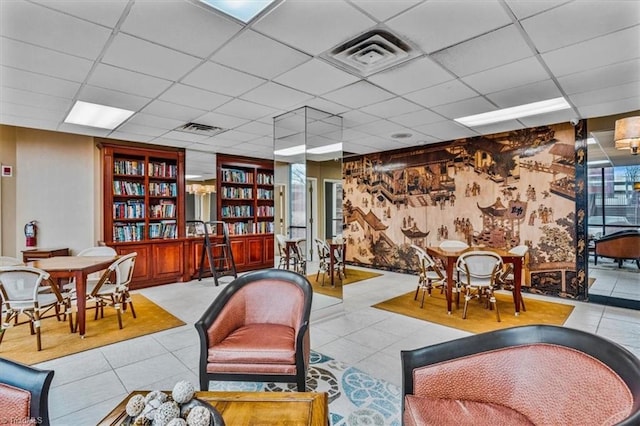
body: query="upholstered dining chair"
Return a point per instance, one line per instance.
(24, 393)
(505, 277)
(429, 274)
(257, 329)
(477, 270)
(534, 374)
(21, 290)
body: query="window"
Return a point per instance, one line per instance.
(614, 205)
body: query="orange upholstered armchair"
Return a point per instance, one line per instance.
(257, 329)
(540, 374)
(24, 393)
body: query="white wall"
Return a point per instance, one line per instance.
(56, 186)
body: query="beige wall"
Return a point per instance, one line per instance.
(322, 171)
(57, 179)
(8, 192)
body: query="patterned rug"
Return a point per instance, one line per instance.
(352, 276)
(355, 397)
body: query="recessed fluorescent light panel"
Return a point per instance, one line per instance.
(336, 147)
(516, 112)
(596, 162)
(95, 115)
(244, 10)
(287, 152)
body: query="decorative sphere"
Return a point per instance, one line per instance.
(166, 412)
(183, 391)
(135, 405)
(177, 422)
(141, 420)
(156, 394)
(199, 416)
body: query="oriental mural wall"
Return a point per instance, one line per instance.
(499, 191)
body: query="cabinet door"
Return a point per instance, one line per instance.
(195, 253)
(269, 248)
(142, 270)
(239, 249)
(255, 250)
(168, 260)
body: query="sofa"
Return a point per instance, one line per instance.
(527, 375)
(621, 246)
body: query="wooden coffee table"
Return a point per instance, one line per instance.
(253, 408)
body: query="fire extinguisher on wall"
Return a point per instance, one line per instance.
(31, 233)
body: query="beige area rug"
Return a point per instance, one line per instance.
(478, 319)
(19, 345)
(352, 276)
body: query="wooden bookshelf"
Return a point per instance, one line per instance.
(143, 197)
(245, 202)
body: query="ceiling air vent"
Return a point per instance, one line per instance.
(200, 129)
(371, 52)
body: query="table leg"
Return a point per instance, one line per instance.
(517, 283)
(332, 261)
(81, 301)
(449, 285)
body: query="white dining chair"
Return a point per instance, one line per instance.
(478, 271)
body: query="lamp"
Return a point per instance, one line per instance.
(627, 134)
(199, 189)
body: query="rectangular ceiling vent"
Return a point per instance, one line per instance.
(200, 129)
(372, 52)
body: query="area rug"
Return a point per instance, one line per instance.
(352, 276)
(19, 345)
(355, 397)
(478, 319)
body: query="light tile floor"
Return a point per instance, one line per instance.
(88, 385)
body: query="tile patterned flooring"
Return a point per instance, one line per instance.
(88, 385)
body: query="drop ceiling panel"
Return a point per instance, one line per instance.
(515, 74)
(79, 38)
(171, 142)
(391, 108)
(127, 136)
(173, 111)
(445, 93)
(110, 77)
(162, 123)
(184, 136)
(239, 136)
(38, 83)
(411, 76)
(257, 128)
(329, 25)
(220, 120)
(35, 123)
(446, 130)
(504, 126)
(327, 106)
(259, 55)
(383, 10)
(180, 25)
(417, 118)
(244, 109)
(138, 129)
(525, 8)
(21, 110)
(533, 92)
(220, 79)
(609, 94)
(196, 98)
(358, 95)
(276, 95)
(356, 118)
(83, 130)
(435, 25)
(549, 118)
(610, 108)
(148, 58)
(112, 98)
(38, 100)
(104, 12)
(316, 77)
(43, 61)
(555, 28)
(491, 50)
(599, 78)
(465, 107)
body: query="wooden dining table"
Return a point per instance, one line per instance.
(449, 258)
(78, 268)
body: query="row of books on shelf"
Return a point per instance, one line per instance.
(122, 187)
(163, 169)
(128, 167)
(266, 211)
(265, 179)
(163, 189)
(131, 209)
(165, 208)
(236, 176)
(125, 232)
(250, 227)
(236, 211)
(265, 194)
(164, 229)
(236, 193)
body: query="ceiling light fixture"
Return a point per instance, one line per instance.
(597, 162)
(513, 113)
(287, 152)
(336, 147)
(244, 10)
(627, 134)
(96, 115)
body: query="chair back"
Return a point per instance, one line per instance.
(20, 283)
(520, 250)
(123, 268)
(24, 392)
(322, 247)
(479, 264)
(98, 251)
(453, 245)
(282, 245)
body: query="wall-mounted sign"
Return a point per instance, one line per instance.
(7, 171)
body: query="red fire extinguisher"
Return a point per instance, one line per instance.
(30, 233)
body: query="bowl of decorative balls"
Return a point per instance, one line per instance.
(180, 408)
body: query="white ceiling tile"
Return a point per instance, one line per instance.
(534, 92)
(37, 83)
(383, 10)
(172, 111)
(190, 96)
(172, 142)
(355, 118)
(112, 98)
(247, 110)
(598, 51)
(411, 76)
(358, 149)
(446, 130)
(34, 123)
(609, 94)
(162, 123)
(599, 78)
(41, 26)
(313, 29)
(391, 108)
(220, 120)
(465, 107)
(259, 55)
(43, 61)
(381, 128)
(549, 30)
(184, 136)
(515, 74)
(148, 58)
(358, 95)
(525, 8)
(327, 106)
(276, 95)
(220, 79)
(38, 100)
(21, 110)
(352, 135)
(256, 128)
(83, 130)
(238, 136)
(140, 130)
(441, 94)
(123, 80)
(496, 48)
(181, 25)
(503, 126)
(563, 116)
(417, 118)
(105, 12)
(316, 77)
(127, 136)
(434, 25)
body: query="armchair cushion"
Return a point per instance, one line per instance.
(256, 344)
(15, 401)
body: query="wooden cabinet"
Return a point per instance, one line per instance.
(143, 211)
(245, 202)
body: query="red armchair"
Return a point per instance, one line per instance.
(257, 329)
(538, 374)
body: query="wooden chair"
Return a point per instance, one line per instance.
(24, 393)
(429, 274)
(477, 270)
